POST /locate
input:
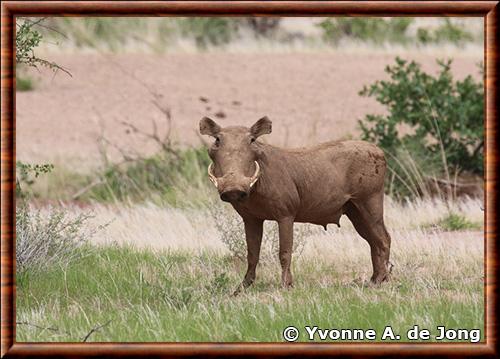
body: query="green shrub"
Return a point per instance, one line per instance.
(26, 175)
(113, 34)
(374, 30)
(208, 31)
(446, 32)
(27, 39)
(449, 32)
(393, 30)
(162, 176)
(435, 121)
(455, 222)
(424, 36)
(24, 82)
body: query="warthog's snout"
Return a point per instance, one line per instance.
(234, 188)
(233, 195)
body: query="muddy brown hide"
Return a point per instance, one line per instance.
(314, 185)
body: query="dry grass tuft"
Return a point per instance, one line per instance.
(410, 225)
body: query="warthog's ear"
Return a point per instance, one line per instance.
(261, 127)
(209, 127)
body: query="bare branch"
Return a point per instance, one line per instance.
(163, 141)
(134, 77)
(95, 329)
(51, 28)
(128, 156)
(478, 148)
(87, 188)
(52, 329)
(31, 22)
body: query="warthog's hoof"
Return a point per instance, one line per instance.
(377, 280)
(287, 285)
(239, 289)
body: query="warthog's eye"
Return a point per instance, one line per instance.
(252, 139)
(217, 141)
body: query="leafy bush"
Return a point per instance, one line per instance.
(392, 30)
(111, 33)
(162, 175)
(208, 30)
(24, 83)
(446, 32)
(435, 121)
(454, 222)
(27, 39)
(457, 222)
(375, 30)
(25, 177)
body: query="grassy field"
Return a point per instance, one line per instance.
(142, 283)
(121, 237)
(166, 34)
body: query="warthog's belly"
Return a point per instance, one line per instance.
(321, 216)
(322, 221)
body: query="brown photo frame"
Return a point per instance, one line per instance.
(489, 10)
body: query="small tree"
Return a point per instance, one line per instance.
(438, 121)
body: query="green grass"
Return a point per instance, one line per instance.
(163, 178)
(24, 83)
(394, 31)
(457, 222)
(157, 176)
(161, 34)
(178, 296)
(373, 30)
(154, 34)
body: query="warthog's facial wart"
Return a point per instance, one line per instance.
(235, 154)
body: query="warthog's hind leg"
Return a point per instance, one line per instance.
(367, 217)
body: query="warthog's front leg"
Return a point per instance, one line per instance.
(253, 235)
(285, 253)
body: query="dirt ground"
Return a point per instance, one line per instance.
(310, 97)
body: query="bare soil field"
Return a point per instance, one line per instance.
(310, 97)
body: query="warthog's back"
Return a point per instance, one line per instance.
(328, 175)
(314, 183)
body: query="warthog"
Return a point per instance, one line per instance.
(311, 185)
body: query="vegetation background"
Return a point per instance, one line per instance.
(119, 235)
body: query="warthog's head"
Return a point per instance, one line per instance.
(234, 153)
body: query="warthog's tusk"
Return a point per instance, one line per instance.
(212, 176)
(255, 176)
